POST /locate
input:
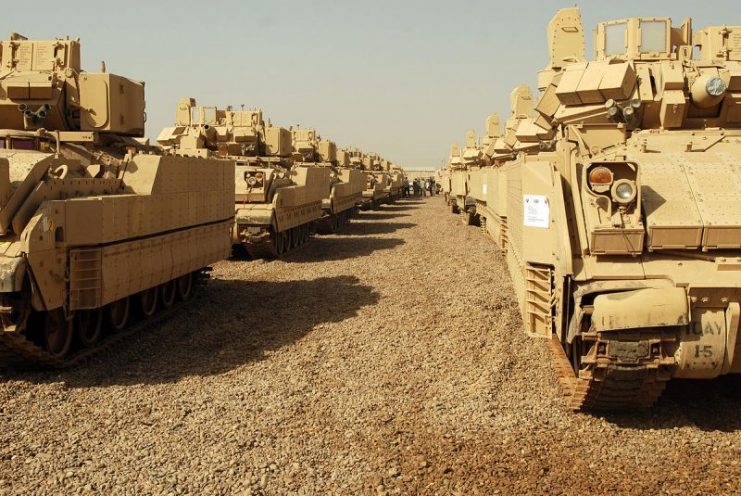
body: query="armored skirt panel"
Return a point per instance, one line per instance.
(348, 192)
(397, 181)
(459, 183)
(477, 185)
(172, 217)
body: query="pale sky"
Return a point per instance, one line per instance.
(401, 78)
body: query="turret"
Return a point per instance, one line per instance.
(200, 131)
(309, 147)
(644, 77)
(43, 86)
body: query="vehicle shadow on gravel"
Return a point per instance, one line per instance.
(710, 405)
(337, 247)
(370, 228)
(379, 216)
(398, 208)
(232, 323)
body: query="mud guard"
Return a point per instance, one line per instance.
(640, 309)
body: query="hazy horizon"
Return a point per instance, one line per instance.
(404, 79)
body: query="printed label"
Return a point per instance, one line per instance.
(537, 211)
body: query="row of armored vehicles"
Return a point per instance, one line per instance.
(615, 198)
(289, 181)
(102, 233)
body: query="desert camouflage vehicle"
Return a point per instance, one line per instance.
(618, 206)
(276, 201)
(458, 174)
(394, 178)
(477, 160)
(374, 193)
(97, 229)
(345, 188)
(442, 178)
(398, 181)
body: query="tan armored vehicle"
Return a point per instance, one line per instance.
(276, 202)
(373, 194)
(442, 181)
(382, 178)
(476, 159)
(442, 177)
(620, 208)
(394, 178)
(345, 186)
(458, 181)
(96, 228)
(479, 160)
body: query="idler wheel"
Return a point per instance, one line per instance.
(185, 286)
(148, 301)
(89, 325)
(118, 313)
(169, 291)
(57, 335)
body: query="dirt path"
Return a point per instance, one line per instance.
(386, 360)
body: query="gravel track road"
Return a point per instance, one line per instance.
(388, 359)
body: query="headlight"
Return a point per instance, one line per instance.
(251, 180)
(624, 191)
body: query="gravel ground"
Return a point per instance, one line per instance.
(386, 360)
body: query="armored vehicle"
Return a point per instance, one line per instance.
(477, 157)
(458, 181)
(619, 208)
(276, 201)
(442, 178)
(394, 179)
(96, 227)
(345, 186)
(382, 190)
(373, 194)
(398, 181)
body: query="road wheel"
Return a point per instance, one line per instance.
(89, 325)
(148, 302)
(185, 286)
(58, 332)
(118, 313)
(168, 291)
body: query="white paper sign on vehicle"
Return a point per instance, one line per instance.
(483, 188)
(537, 211)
